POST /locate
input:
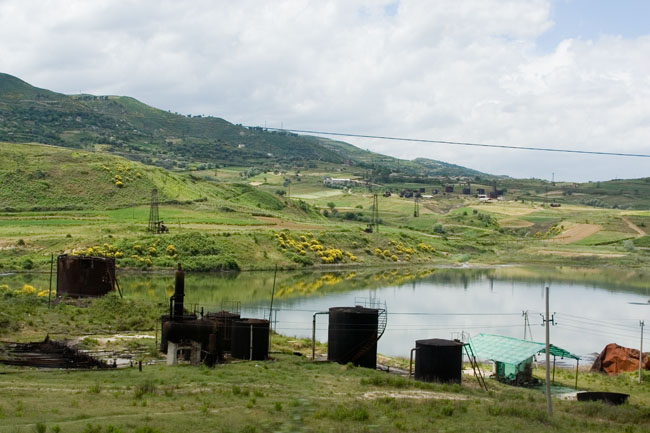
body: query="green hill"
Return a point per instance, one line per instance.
(129, 128)
(41, 177)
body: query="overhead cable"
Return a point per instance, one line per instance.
(458, 143)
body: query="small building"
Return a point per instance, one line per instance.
(513, 357)
(480, 190)
(333, 182)
(449, 188)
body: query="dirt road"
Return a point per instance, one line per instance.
(636, 228)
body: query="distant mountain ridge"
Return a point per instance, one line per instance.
(127, 127)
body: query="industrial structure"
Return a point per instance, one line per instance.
(85, 276)
(155, 224)
(209, 338)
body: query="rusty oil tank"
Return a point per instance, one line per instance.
(224, 321)
(84, 276)
(352, 336)
(438, 360)
(242, 347)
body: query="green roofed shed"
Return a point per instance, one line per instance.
(513, 357)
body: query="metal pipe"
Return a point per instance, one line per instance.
(411, 362)
(577, 363)
(251, 345)
(179, 292)
(313, 334)
(49, 297)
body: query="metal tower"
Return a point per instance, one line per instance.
(155, 225)
(375, 212)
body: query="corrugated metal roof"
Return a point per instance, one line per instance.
(511, 350)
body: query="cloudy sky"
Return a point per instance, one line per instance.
(570, 74)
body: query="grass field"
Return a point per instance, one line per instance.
(57, 200)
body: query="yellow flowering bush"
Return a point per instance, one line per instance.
(28, 289)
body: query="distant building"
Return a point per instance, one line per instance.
(333, 182)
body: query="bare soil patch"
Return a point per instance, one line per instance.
(578, 254)
(413, 394)
(576, 233)
(280, 223)
(515, 223)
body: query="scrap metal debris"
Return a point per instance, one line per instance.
(47, 354)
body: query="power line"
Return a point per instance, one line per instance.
(460, 143)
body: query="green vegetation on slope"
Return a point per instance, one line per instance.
(127, 127)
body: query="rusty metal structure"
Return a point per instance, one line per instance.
(48, 354)
(84, 276)
(206, 339)
(250, 339)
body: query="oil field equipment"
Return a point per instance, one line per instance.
(353, 333)
(198, 338)
(224, 320)
(250, 339)
(84, 276)
(438, 360)
(155, 224)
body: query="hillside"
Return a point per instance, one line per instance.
(40, 177)
(127, 127)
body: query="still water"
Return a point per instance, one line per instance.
(593, 307)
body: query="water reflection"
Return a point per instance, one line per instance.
(594, 306)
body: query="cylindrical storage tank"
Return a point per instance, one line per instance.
(352, 336)
(438, 360)
(224, 320)
(189, 330)
(242, 346)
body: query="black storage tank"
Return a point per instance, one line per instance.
(224, 320)
(438, 360)
(352, 336)
(241, 339)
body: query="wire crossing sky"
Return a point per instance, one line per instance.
(460, 143)
(567, 78)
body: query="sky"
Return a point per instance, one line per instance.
(568, 74)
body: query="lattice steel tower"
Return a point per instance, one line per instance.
(154, 222)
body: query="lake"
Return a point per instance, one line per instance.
(593, 307)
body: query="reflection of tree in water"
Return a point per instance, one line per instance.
(214, 288)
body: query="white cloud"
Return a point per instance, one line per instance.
(448, 70)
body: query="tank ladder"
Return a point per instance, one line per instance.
(477, 370)
(382, 322)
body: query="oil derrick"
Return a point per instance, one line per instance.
(155, 225)
(375, 212)
(374, 221)
(416, 206)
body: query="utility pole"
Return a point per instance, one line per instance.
(642, 324)
(549, 403)
(526, 324)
